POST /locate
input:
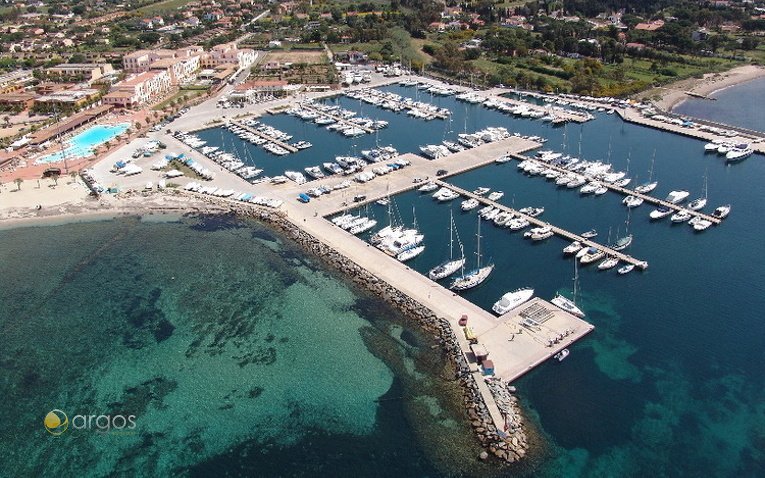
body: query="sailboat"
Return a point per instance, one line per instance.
(623, 242)
(649, 186)
(449, 267)
(698, 204)
(478, 275)
(566, 304)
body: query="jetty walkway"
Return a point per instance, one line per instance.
(338, 119)
(284, 145)
(629, 192)
(755, 139)
(557, 230)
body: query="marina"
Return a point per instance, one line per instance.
(533, 332)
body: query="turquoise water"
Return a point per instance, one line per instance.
(735, 106)
(235, 352)
(83, 144)
(670, 382)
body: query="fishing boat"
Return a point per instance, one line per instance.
(511, 300)
(410, 253)
(721, 212)
(451, 265)
(625, 269)
(476, 276)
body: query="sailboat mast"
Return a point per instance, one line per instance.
(478, 247)
(451, 235)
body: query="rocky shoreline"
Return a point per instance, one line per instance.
(508, 445)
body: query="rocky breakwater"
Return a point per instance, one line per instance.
(508, 445)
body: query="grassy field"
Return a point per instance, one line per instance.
(310, 57)
(162, 6)
(190, 94)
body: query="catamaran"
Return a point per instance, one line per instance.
(452, 265)
(478, 275)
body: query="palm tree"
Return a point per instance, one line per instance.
(18, 182)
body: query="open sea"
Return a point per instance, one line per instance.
(239, 355)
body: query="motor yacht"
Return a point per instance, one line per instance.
(511, 300)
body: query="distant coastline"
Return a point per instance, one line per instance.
(674, 94)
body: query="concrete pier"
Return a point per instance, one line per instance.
(557, 230)
(629, 192)
(337, 119)
(271, 139)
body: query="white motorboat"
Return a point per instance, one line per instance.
(625, 269)
(481, 191)
(589, 234)
(469, 204)
(511, 300)
(496, 196)
(295, 176)
(573, 248)
(601, 190)
(609, 263)
(660, 212)
(593, 254)
(736, 154)
(428, 187)
(711, 147)
(517, 224)
(410, 253)
(445, 194)
(721, 212)
(561, 356)
(646, 188)
(532, 211)
(697, 204)
(589, 188)
(539, 233)
(676, 197)
(632, 201)
(681, 216)
(699, 224)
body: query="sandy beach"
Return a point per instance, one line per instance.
(675, 93)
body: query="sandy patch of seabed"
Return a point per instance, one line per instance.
(208, 351)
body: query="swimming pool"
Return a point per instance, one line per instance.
(82, 144)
